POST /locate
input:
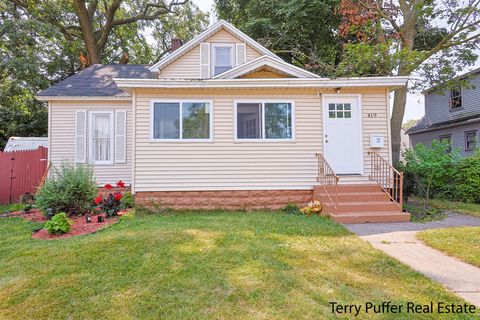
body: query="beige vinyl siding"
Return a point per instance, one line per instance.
(375, 105)
(62, 136)
(188, 65)
(225, 164)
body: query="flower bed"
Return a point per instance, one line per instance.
(79, 226)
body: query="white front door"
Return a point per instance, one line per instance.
(343, 133)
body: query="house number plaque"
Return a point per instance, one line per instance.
(372, 115)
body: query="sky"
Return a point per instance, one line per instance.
(415, 102)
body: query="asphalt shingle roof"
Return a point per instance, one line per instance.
(97, 80)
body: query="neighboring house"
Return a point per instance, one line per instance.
(25, 143)
(453, 116)
(220, 122)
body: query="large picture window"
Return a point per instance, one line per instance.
(264, 120)
(102, 137)
(181, 120)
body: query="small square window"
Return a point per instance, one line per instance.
(339, 114)
(339, 106)
(331, 114)
(348, 114)
(347, 106)
(331, 106)
(470, 140)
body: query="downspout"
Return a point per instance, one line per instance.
(134, 133)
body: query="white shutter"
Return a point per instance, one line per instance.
(121, 136)
(204, 60)
(81, 136)
(241, 53)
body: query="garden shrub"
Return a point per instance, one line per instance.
(431, 169)
(71, 189)
(291, 209)
(467, 179)
(59, 224)
(128, 201)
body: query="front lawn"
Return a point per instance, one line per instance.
(221, 265)
(459, 207)
(463, 243)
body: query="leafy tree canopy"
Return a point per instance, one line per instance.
(302, 32)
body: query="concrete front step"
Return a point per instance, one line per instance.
(361, 206)
(372, 217)
(355, 196)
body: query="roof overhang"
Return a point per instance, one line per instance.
(266, 61)
(441, 126)
(83, 98)
(207, 34)
(392, 83)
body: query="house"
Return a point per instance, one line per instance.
(224, 122)
(25, 143)
(452, 115)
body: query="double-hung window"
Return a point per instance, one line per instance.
(101, 135)
(470, 140)
(181, 120)
(455, 98)
(264, 120)
(222, 57)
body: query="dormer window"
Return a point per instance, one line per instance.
(455, 98)
(222, 57)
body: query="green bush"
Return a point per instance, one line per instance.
(466, 186)
(59, 224)
(128, 201)
(291, 209)
(71, 189)
(430, 169)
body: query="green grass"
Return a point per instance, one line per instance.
(220, 265)
(462, 243)
(459, 207)
(11, 207)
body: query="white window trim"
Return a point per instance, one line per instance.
(262, 102)
(152, 107)
(90, 138)
(213, 59)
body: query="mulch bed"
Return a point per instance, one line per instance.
(79, 226)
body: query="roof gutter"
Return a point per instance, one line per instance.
(390, 82)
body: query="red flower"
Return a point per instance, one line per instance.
(98, 199)
(108, 186)
(120, 184)
(117, 196)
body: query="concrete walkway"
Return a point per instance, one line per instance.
(399, 241)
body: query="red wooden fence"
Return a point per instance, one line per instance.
(21, 172)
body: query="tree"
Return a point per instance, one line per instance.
(302, 32)
(94, 22)
(430, 167)
(36, 53)
(399, 38)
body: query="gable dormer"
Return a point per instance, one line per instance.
(220, 48)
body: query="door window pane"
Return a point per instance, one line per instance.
(278, 121)
(196, 120)
(166, 120)
(249, 121)
(101, 137)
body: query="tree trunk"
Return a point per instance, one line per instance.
(399, 102)
(88, 35)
